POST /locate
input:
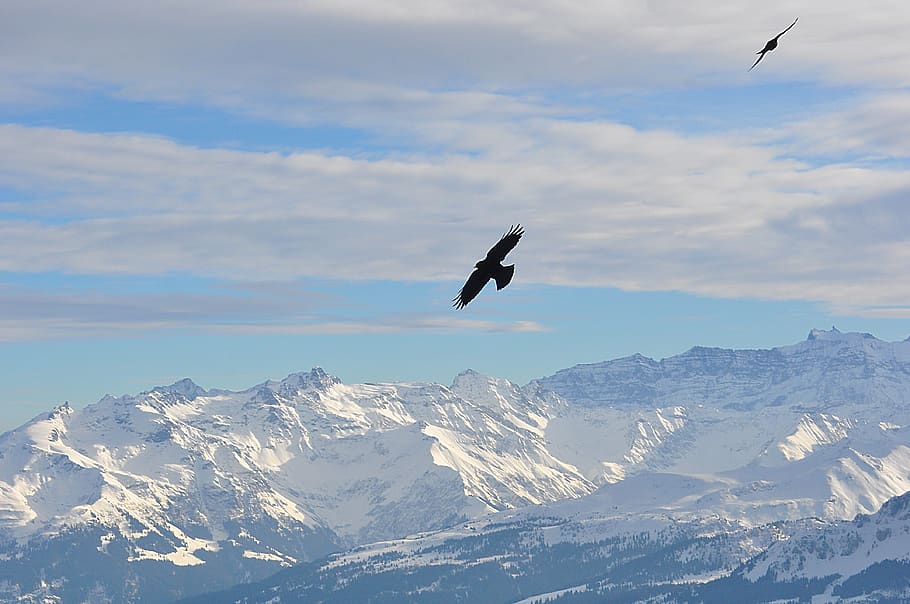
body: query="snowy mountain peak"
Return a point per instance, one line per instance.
(641, 360)
(63, 410)
(469, 379)
(316, 379)
(185, 388)
(495, 393)
(836, 335)
(815, 334)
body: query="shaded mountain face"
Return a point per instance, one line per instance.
(180, 490)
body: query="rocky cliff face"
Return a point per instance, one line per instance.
(828, 368)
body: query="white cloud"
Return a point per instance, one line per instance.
(874, 128)
(46, 329)
(872, 312)
(473, 89)
(248, 308)
(603, 205)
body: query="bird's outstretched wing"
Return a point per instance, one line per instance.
(761, 55)
(471, 288)
(504, 246)
(788, 29)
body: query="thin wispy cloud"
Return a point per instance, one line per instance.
(873, 312)
(255, 308)
(393, 324)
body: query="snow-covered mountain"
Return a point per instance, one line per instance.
(277, 474)
(820, 428)
(181, 489)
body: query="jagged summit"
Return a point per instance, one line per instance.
(815, 334)
(61, 410)
(836, 335)
(468, 377)
(314, 379)
(186, 388)
(495, 393)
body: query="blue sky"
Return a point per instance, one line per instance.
(233, 192)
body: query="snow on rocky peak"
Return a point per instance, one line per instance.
(316, 380)
(185, 388)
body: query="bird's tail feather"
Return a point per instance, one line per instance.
(504, 275)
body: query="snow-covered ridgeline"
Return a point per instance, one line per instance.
(306, 451)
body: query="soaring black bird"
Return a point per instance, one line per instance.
(490, 268)
(771, 45)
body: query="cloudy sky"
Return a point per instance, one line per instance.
(232, 191)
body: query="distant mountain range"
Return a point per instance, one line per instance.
(683, 475)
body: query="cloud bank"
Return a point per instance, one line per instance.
(493, 111)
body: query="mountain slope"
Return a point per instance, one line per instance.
(548, 555)
(858, 553)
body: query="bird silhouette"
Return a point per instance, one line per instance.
(490, 268)
(771, 45)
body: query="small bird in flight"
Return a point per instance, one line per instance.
(490, 268)
(771, 45)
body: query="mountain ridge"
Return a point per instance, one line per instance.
(195, 480)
